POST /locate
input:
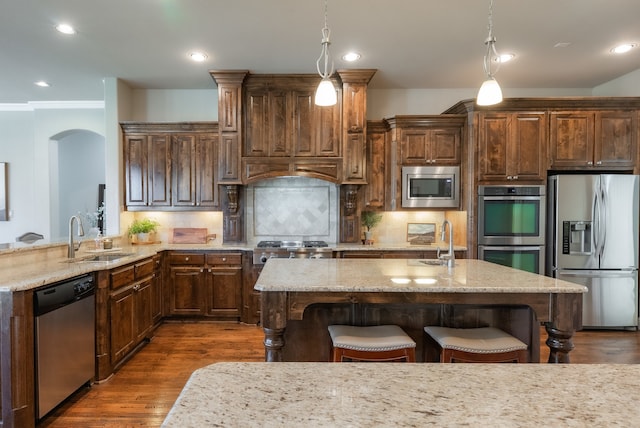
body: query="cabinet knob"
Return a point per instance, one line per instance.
(201, 270)
(509, 177)
(186, 259)
(589, 163)
(224, 259)
(515, 177)
(599, 163)
(209, 270)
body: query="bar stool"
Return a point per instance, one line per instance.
(371, 343)
(476, 345)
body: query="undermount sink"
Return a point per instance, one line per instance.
(430, 262)
(100, 258)
(106, 257)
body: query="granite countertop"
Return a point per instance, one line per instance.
(408, 395)
(24, 266)
(404, 275)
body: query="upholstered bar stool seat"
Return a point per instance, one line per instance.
(371, 343)
(477, 345)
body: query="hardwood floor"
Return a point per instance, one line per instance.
(143, 391)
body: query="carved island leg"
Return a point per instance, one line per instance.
(560, 344)
(274, 322)
(273, 344)
(566, 319)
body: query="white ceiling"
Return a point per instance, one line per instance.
(412, 43)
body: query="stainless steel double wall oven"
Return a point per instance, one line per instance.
(511, 226)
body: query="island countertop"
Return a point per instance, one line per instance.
(365, 395)
(404, 275)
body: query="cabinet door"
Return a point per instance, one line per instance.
(527, 147)
(616, 134)
(493, 136)
(229, 159)
(143, 307)
(186, 291)
(123, 329)
(414, 147)
(302, 123)
(206, 160)
(159, 170)
(224, 291)
(445, 146)
(156, 302)
(135, 156)
(571, 139)
(326, 131)
(376, 188)
(184, 171)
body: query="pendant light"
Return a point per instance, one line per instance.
(326, 93)
(490, 92)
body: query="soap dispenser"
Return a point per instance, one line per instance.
(98, 241)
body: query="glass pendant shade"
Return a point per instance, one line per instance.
(489, 93)
(326, 94)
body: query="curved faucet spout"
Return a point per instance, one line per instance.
(450, 256)
(71, 252)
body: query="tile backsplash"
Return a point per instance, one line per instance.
(292, 208)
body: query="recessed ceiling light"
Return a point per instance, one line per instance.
(620, 49)
(351, 56)
(65, 29)
(42, 84)
(198, 56)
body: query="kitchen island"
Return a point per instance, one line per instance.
(366, 395)
(366, 291)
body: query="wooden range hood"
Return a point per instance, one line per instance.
(270, 127)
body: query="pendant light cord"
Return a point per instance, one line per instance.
(325, 72)
(490, 41)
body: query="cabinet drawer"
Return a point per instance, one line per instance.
(177, 259)
(224, 259)
(122, 276)
(144, 268)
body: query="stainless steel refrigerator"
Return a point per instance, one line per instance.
(592, 238)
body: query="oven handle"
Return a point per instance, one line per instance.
(512, 247)
(511, 198)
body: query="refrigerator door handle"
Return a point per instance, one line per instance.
(595, 273)
(603, 220)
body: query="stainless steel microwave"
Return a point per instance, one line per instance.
(431, 186)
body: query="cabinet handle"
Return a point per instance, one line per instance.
(599, 163)
(224, 259)
(515, 177)
(209, 270)
(186, 259)
(201, 270)
(509, 177)
(589, 163)
(136, 287)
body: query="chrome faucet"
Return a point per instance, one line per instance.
(71, 253)
(450, 257)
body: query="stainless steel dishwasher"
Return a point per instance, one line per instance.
(65, 340)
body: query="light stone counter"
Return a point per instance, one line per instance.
(408, 395)
(404, 275)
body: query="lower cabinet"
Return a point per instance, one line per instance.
(134, 306)
(205, 284)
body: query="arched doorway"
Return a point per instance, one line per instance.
(77, 169)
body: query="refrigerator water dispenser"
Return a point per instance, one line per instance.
(576, 237)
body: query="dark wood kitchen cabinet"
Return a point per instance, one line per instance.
(194, 181)
(282, 119)
(594, 139)
(512, 147)
(378, 174)
(205, 284)
(171, 166)
(147, 170)
(133, 291)
(439, 146)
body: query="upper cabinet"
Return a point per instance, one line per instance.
(282, 120)
(170, 166)
(378, 183)
(512, 146)
(594, 139)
